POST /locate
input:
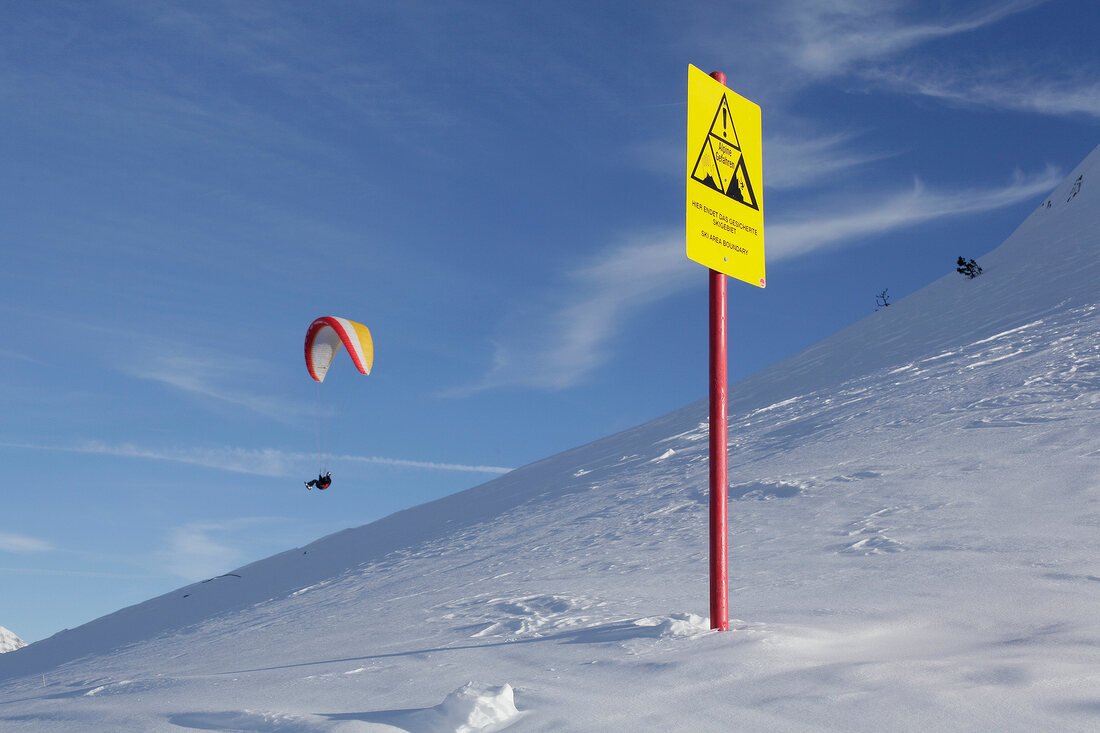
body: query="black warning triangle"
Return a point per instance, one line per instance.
(707, 171)
(740, 188)
(722, 125)
(721, 164)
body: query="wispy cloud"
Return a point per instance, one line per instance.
(75, 573)
(845, 226)
(798, 162)
(299, 56)
(830, 37)
(1005, 88)
(259, 462)
(403, 463)
(203, 549)
(17, 356)
(562, 337)
(216, 378)
(22, 543)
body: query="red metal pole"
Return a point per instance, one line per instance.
(719, 595)
(719, 574)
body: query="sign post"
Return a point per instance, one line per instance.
(725, 232)
(719, 574)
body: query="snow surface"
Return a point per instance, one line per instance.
(914, 545)
(9, 642)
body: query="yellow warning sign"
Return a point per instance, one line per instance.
(725, 213)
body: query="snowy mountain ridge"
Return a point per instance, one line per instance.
(913, 544)
(9, 642)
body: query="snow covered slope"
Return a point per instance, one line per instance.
(914, 545)
(9, 642)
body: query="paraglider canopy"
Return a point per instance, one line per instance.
(323, 341)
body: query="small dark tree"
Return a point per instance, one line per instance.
(882, 299)
(969, 268)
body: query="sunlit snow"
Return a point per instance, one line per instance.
(9, 642)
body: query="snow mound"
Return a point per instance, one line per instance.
(637, 634)
(677, 625)
(685, 625)
(474, 707)
(248, 721)
(9, 642)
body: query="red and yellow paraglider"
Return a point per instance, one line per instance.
(323, 341)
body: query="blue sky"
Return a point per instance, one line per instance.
(495, 190)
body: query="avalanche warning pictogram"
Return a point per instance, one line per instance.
(721, 163)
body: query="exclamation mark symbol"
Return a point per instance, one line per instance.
(724, 111)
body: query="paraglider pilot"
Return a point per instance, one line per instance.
(321, 482)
